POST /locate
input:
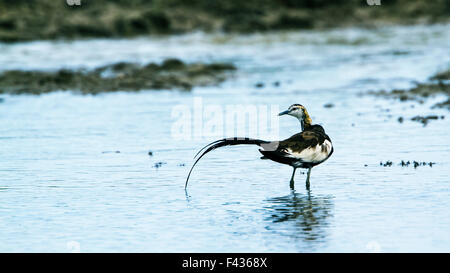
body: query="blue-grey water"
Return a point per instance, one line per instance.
(75, 173)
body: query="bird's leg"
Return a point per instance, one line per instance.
(307, 178)
(291, 183)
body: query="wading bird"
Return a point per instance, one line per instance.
(306, 149)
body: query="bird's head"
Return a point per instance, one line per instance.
(298, 111)
(295, 110)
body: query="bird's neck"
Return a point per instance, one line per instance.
(305, 121)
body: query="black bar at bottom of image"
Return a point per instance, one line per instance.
(220, 262)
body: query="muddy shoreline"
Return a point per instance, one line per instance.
(438, 84)
(25, 20)
(123, 76)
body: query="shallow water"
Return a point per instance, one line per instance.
(76, 174)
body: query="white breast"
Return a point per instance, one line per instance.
(315, 154)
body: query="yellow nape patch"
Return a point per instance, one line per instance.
(307, 119)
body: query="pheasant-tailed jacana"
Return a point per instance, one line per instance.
(306, 149)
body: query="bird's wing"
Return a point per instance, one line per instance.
(307, 146)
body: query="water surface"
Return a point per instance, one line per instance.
(75, 168)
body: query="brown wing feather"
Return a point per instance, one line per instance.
(296, 144)
(302, 141)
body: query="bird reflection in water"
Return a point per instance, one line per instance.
(300, 216)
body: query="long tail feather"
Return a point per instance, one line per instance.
(207, 146)
(221, 143)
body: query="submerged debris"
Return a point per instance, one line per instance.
(386, 164)
(425, 119)
(404, 163)
(259, 85)
(416, 163)
(328, 105)
(150, 153)
(159, 164)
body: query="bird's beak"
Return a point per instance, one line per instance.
(284, 113)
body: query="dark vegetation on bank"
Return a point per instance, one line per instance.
(171, 74)
(438, 84)
(22, 20)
